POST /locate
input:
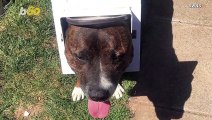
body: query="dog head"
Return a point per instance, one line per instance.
(98, 56)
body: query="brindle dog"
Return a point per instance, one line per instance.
(99, 55)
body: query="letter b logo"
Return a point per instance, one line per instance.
(22, 11)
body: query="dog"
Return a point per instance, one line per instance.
(99, 55)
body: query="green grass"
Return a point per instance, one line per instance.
(30, 72)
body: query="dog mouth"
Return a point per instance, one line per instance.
(98, 102)
(98, 109)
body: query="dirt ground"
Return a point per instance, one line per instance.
(175, 81)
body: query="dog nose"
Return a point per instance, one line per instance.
(98, 94)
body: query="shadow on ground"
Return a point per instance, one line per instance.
(163, 79)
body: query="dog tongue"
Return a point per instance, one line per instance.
(98, 109)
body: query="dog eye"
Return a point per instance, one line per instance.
(82, 57)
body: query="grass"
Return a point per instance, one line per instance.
(30, 75)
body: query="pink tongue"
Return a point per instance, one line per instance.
(98, 109)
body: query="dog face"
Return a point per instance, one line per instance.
(98, 57)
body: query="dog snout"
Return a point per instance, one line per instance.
(98, 94)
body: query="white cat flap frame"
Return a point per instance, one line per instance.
(83, 8)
